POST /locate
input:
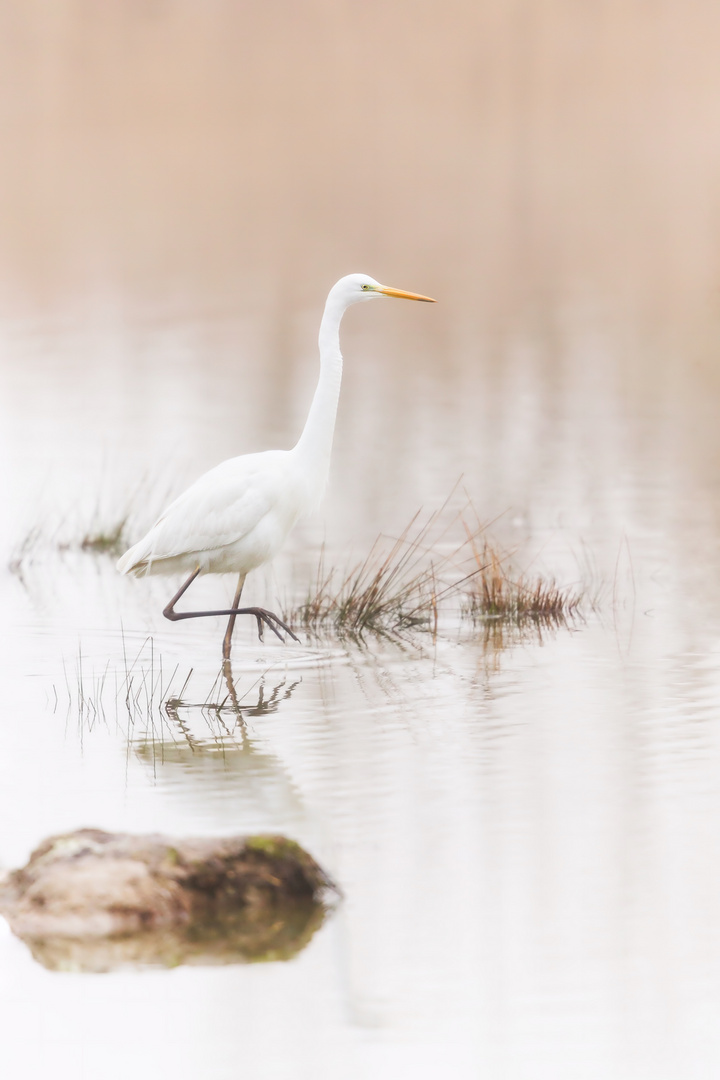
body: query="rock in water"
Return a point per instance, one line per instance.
(170, 901)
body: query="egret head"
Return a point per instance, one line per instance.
(355, 288)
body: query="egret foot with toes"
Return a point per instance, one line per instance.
(262, 615)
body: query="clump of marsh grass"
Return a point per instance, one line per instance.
(97, 537)
(103, 540)
(396, 588)
(494, 593)
(105, 531)
(406, 584)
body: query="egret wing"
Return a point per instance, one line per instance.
(221, 508)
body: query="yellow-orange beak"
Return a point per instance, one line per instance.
(401, 295)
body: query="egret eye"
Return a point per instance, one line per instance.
(366, 287)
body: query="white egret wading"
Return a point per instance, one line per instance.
(237, 516)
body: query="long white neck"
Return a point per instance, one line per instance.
(315, 444)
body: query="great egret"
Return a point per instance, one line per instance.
(238, 515)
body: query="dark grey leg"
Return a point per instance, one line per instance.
(261, 614)
(227, 640)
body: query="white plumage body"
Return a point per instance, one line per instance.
(232, 519)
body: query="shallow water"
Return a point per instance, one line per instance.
(525, 827)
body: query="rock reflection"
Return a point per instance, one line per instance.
(279, 934)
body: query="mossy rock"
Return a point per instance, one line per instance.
(91, 900)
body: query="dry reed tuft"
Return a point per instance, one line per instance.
(110, 540)
(401, 585)
(494, 594)
(96, 539)
(388, 593)
(105, 531)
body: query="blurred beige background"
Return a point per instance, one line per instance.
(176, 152)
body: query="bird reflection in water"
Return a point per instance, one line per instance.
(224, 714)
(278, 694)
(210, 754)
